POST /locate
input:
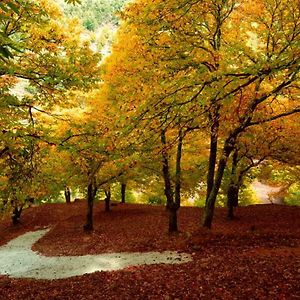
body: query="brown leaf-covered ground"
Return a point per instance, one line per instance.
(256, 256)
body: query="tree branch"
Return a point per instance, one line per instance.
(285, 114)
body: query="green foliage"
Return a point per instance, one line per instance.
(33, 82)
(94, 13)
(116, 194)
(156, 200)
(293, 197)
(11, 12)
(152, 194)
(200, 201)
(247, 196)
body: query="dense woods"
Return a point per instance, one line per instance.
(190, 103)
(149, 126)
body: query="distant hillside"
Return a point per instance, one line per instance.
(94, 13)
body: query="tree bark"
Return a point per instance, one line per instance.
(210, 206)
(173, 227)
(232, 198)
(172, 204)
(92, 190)
(107, 199)
(233, 187)
(213, 149)
(16, 215)
(178, 170)
(166, 171)
(67, 195)
(123, 192)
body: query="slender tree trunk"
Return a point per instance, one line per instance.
(178, 169)
(67, 195)
(215, 115)
(168, 186)
(107, 199)
(123, 192)
(210, 206)
(233, 187)
(166, 171)
(92, 190)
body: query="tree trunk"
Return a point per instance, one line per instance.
(67, 195)
(213, 148)
(210, 206)
(172, 206)
(232, 199)
(16, 215)
(92, 190)
(178, 169)
(166, 171)
(233, 187)
(123, 192)
(107, 199)
(173, 219)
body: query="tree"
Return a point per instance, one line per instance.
(10, 11)
(97, 151)
(35, 81)
(276, 79)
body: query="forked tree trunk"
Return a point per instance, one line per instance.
(123, 192)
(92, 190)
(107, 199)
(210, 205)
(172, 204)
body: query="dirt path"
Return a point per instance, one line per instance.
(19, 261)
(264, 191)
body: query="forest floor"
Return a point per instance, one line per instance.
(256, 256)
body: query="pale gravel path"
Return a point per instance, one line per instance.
(264, 193)
(19, 261)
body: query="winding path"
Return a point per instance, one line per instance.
(19, 261)
(264, 193)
